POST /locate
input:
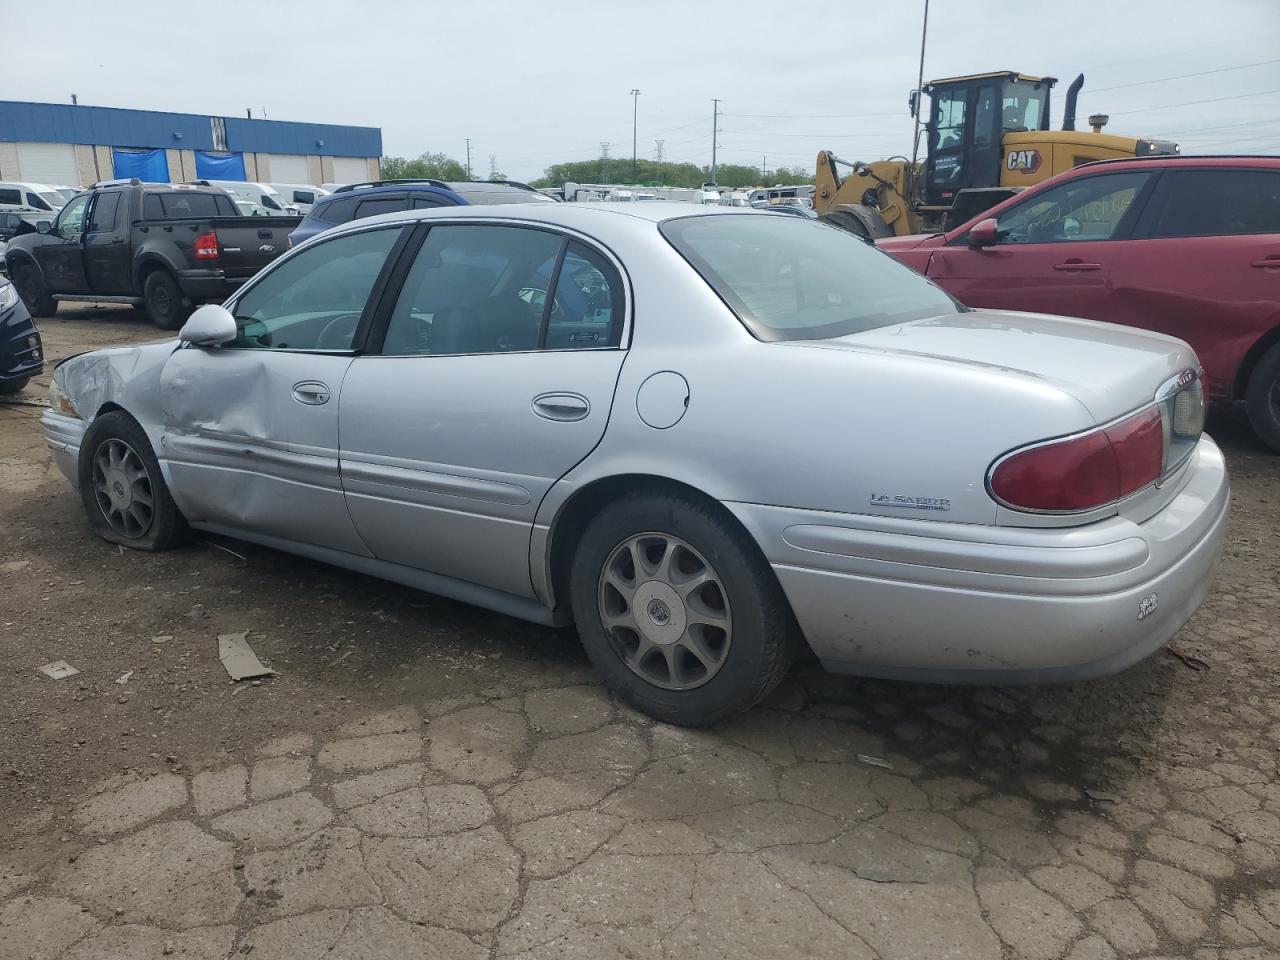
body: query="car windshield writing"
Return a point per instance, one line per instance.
(793, 279)
(1087, 209)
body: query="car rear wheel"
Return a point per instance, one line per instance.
(164, 300)
(123, 491)
(35, 295)
(678, 610)
(1262, 399)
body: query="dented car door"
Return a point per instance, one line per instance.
(251, 427)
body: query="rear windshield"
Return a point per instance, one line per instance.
(482, 195)
(793, 279)
(181, 204)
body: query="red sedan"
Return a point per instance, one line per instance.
(1188, 246)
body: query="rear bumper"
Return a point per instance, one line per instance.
(959, 603)
(208, 284)
(63, 434)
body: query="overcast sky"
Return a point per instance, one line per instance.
(535, 83)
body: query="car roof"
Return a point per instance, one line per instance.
(1186, 160)
(579, 216)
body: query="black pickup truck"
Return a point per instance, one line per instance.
(153, 245)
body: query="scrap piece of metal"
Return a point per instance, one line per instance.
(238, 658)
(58, 670)
(874, 761)
(1194, 662)
(21, 401)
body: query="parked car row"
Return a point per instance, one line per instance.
(705, 435)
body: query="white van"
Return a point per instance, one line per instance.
(35, 198)
(301, 195)
(260, 193)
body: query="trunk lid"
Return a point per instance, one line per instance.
(247, 244)
(1109, 369)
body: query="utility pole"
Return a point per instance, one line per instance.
(658, 144)
(604, 160)
(715, 135)
(764, 170)
(493, 166)
(468, 158)
(915, 136)
(635, 113)
(74, 100)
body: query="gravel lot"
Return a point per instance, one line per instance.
(428, 779)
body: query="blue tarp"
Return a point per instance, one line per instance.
(219, 166)
(150, 166)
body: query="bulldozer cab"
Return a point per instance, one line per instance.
(968, 119)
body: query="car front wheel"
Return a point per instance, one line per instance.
(35, 295)
(1262, 399)
(123, 491)
(678, 610)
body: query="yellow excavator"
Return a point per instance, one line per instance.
(987, 136)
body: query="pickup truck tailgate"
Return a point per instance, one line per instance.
(247, 244)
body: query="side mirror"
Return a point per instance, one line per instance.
(913, 101)
(43, 226)
(209, 326)
(985, 233)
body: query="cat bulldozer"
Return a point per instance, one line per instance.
(987, 136)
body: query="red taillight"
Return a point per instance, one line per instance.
(207, 246)
(1086, 471)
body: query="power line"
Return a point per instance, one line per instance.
(1182, 76)
(810, 116)
(1194, 103)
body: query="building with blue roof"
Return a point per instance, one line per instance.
(69, 144)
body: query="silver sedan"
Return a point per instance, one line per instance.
(706, 436)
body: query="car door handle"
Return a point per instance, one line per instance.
(311, 392)
(565, 407)
(1077, 265)
(1271, 262)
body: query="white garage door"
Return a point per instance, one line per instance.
(288, 168)
(350, 170)
(48, 163)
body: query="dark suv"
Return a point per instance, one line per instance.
(356, 201)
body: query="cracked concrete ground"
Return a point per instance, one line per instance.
(510, 807)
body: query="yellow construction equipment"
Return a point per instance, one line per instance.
(987, 136)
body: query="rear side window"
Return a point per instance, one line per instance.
(426, 203)
(103, 217)
(10, 196)
(793, 279)
(181, 204)
(336, 211)
(371, 208)
(481, 196)
(1213, 203)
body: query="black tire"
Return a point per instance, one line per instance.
(764, 635)
(848, 222)
(164, 300)
(165, 525)
(1262, 399)
(35, 295)
(14, 386)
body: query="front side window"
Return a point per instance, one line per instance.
(71, 220)
(1088, 208)
(314, 300)
(1213, 203)
(104, 213)
(983, 115)
(474, 288)
(793, 279)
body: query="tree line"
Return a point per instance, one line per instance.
(648, 173)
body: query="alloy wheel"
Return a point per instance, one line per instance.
(122, 489)
(665, 611)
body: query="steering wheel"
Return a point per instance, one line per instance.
(338, 333)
